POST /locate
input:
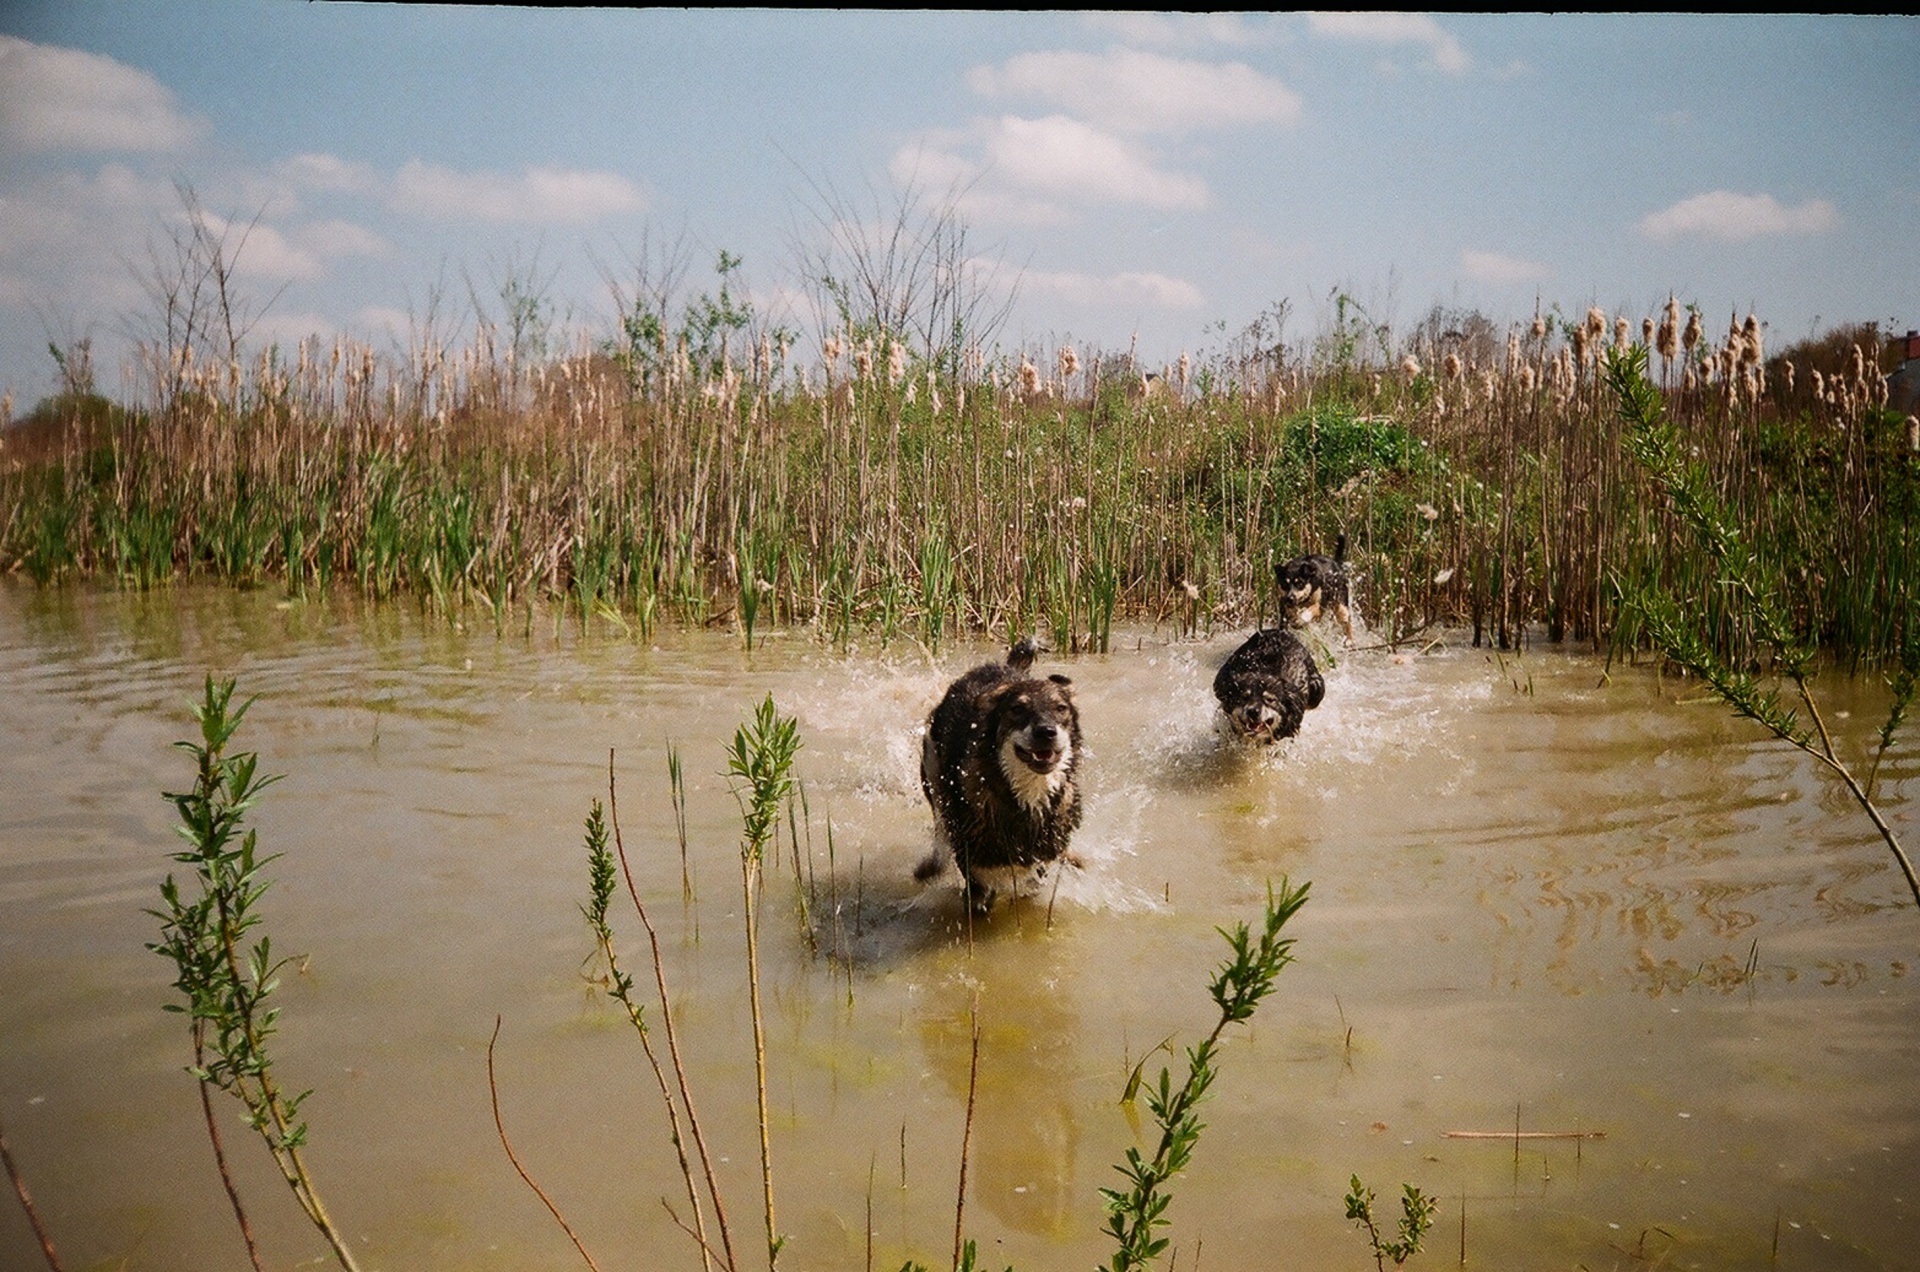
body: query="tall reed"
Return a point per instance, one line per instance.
(1479, 482)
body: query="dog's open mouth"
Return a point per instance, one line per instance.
(1040, 759)
(1255, 726)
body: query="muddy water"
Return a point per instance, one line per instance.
(1540, 896)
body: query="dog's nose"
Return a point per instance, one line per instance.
(1047, 735)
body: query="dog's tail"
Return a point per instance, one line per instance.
(1021, 656)
(1340, 549)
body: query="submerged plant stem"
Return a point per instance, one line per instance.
(493, 1090)
(26, 1203)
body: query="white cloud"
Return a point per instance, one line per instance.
(1131, 288)
(1733, 218)
(288, 329)
(538, 195)
(83, 235)
(386, 320)
(58, 215)
(335, 238)
(1395, 28)
(315, 171)
(1066, 157)
(258, 249)
(263, 252)
(64, 99)
(1035, 171)
(1135, 91)
(1493, 267)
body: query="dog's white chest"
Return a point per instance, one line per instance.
(1033, 790)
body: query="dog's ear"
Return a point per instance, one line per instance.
(1063, 681)
(992, 697)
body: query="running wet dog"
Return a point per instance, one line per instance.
(999, 768)
(1267, 686)
(1313, 584)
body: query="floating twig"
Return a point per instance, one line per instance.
(1524, 1135)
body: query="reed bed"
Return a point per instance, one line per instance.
(874, 493)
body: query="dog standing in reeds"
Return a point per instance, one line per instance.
(1268, 685)
(1312, 584)
(999, 769)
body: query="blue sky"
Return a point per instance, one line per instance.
(1159, 179)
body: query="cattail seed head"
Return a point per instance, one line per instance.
(1069, 362)
(1451, 366)
(1410, 365)
(1029, 377)
(1596, 323)
(1667, 338)
(1539, 327)
(1753, 351)
(1646, 332)
(1690, 337)
(1622, 333)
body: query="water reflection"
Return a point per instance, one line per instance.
(1026, 1133)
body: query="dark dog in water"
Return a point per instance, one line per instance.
(998, 768)
(1312, 584)
(1267, 687)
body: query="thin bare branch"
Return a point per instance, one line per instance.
(493, 1090)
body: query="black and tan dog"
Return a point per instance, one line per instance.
(999, 769)
(1267, 687)
(1312, 584)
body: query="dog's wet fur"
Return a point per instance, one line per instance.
(1268, 685)
(998, 768)
(1314, 584)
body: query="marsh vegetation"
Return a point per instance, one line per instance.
(908, 478)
